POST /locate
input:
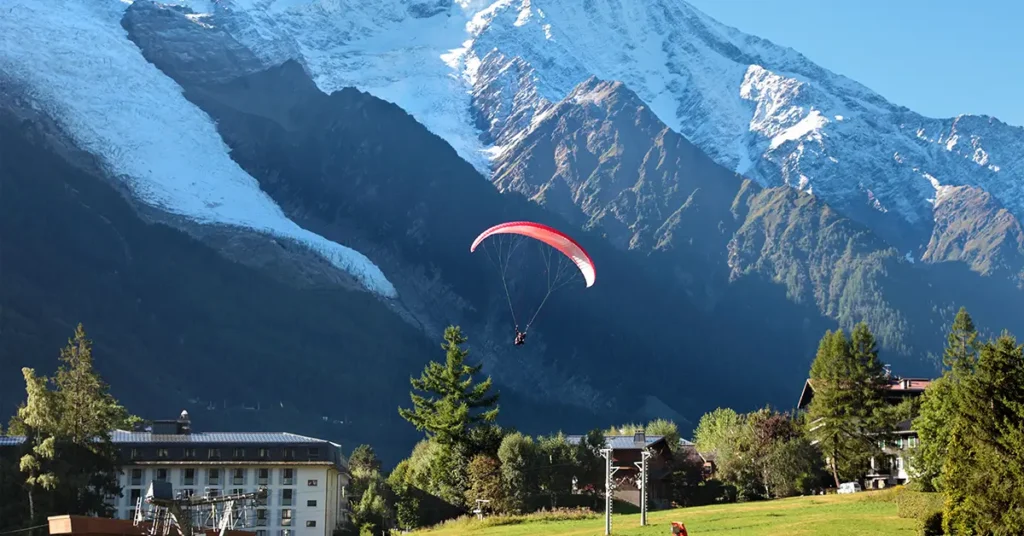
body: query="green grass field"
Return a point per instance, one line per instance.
(871, 513)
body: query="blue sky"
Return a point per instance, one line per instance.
(939, 58)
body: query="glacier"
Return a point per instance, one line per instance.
(77, 65)
(761, 109)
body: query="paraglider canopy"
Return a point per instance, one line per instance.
(558, 271)
(550, 236)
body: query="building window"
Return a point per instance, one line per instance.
(261, 519)
(134, 497)
(238, 477)
(238, 453)
(213, 454)
(136, 477)
(311, 523)
(135, 454)
(311, 503)
(264, 453)
(161, 475)
(286, 497)
(285, 532)
(912, 441)
(188, 477)
(190, 453)
(314, 452)
(161, 453)
(237, 491)
(286, 518)
(213, 477)
(311, 483)
(185, 493)
(263, 476)
(286, 476)
(262, 501)
(261, 532)
(289, 453)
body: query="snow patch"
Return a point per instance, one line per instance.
(84, 72)
(909, 257)
(941, 192)
(810, 125)
(951, 142)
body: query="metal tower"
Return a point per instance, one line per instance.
(193, 515)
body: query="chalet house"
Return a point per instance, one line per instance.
(893, 469)
(626, 457)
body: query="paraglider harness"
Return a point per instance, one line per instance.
(520, 337)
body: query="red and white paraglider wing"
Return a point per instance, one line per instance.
(550, 236)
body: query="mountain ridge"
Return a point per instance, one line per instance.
(763, 110)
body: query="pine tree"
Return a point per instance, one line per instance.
(938, 404)
(985, 457)
(70, 461)
(848, 415)
(454, 403)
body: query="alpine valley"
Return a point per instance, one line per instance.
(261, 210)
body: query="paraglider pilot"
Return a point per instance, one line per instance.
(520, 338)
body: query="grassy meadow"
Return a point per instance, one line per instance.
(870, 513)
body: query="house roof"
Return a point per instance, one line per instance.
(124, 437)
(619, 442)
(897, 387)
(263, 438)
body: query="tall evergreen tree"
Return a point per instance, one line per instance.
(69, 461)
(454, 402)
(985, 459)
(848, 415)
(939, 402)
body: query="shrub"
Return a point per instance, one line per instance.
(467, 523)
(931, 524)
(917, 504)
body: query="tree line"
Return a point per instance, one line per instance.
(467, 460)
(969, 424)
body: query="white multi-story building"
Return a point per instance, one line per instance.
(306, 478)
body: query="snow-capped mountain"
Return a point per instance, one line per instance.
(763, 110)
(629, 122)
